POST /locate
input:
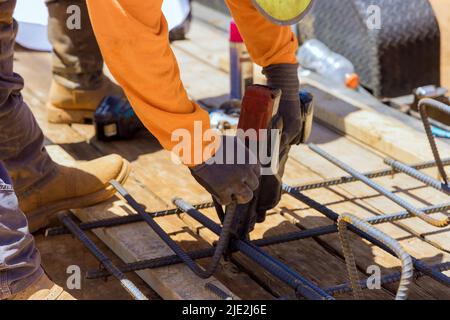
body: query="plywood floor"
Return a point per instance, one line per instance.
(155, 180)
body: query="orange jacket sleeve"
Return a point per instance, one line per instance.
(134, 40)
(266, 42)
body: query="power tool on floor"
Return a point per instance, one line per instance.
(115, 119)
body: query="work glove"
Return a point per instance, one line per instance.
(232, 174)
(284, 77)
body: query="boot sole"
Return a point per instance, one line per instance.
(40, 218)
(68, 116)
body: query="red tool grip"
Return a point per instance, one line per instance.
(259, 106)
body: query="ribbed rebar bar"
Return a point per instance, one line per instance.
(407, 264)
(405, 214)
(424, 105)
(393, 197)
(370, 175)
(388, 279)
(198, 270)
(419, 265)
(304, 287)
(217, 291)
(104, 260)
(350, 261)
(207, 253)
(436, 184)
(118, 221)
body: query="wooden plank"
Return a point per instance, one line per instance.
(138, 242)
(357, 199)
(38, 81)
(406, 187)
(350, 115)
(214, 82)
(442, 11)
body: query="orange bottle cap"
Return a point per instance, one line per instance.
(352, 80)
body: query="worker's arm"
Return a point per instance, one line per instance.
(267, 43)
(133, 37)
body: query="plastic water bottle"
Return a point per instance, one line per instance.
(316, 56)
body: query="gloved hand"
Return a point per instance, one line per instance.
(230, 180)
(285, 77)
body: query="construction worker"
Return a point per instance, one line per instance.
(133, 38)
(78, 83)
(41, 186)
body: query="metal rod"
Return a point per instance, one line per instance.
(370, 175)
(388, 279)
(207, 253)
(304, 287)
(424, 105)
(405, 214)
(399, 166)
(404, 204)
(152, 263)
(198, 270)
(407, 265)
(419, 265)
(118, 221)
(294, 236)
(104, 260)
(217, 291)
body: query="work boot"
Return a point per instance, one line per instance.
(43, 289)
(79, 186)
(75, 105)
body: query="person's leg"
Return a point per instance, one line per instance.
(274, 48)
(19, 259)
(42, 186)
(21, 139)
(78, 81)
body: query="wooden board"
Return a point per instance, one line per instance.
(155, 180)
(37, 84)
(442, 11)
(350, 113)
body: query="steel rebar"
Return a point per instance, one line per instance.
(401, 167)
(217, 291)
(419, 265)
(393, 197)
(118, 221)
(207, 253)
(405, 214)
(407, 265)
(388, 279)
(370, 175)
(304, 287)
(104, 260)
(424, 105)
(198, 270)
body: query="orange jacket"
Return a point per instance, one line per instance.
(133, 38)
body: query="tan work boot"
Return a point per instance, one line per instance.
(43, 289)
(77, 106)
(80, 186)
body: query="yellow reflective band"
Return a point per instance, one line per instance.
(283, 11)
